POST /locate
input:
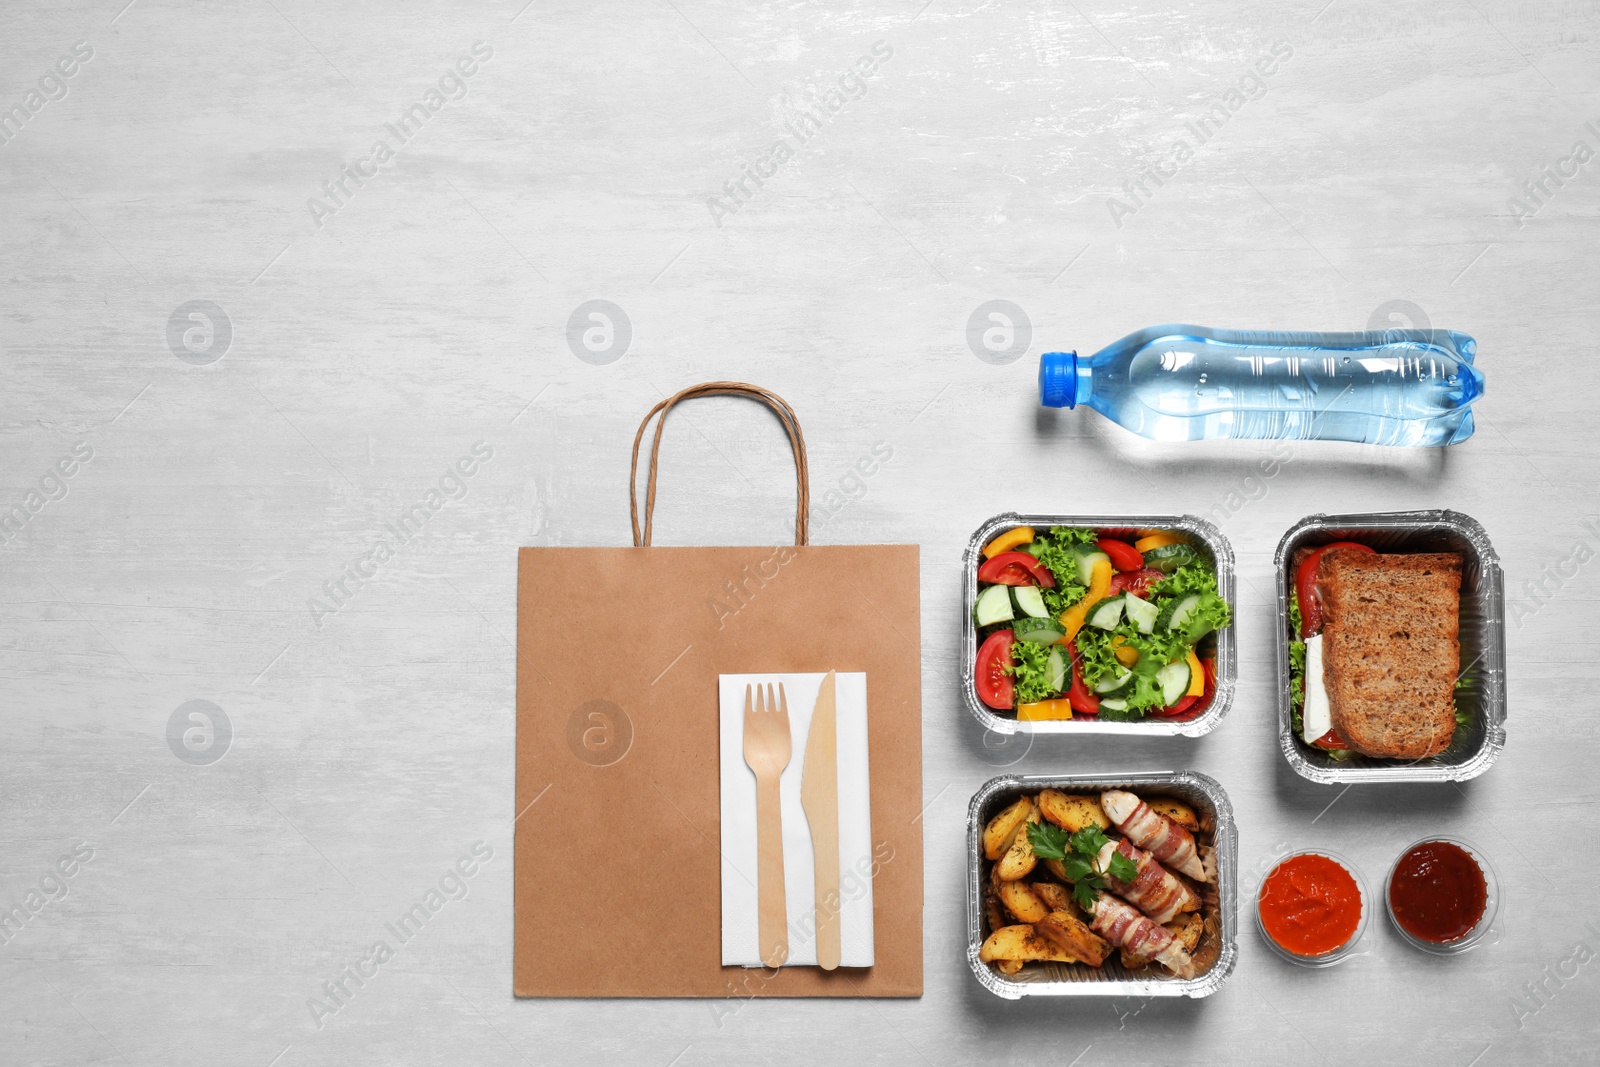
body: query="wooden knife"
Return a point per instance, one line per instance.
(819, 796)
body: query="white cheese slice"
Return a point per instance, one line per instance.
(1315, 718)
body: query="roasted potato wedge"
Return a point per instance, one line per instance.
(1019, 860)
(1186, 928)
(1020, 943)
(1020, 901)
(1058, 898)
(1003, 827)
(1055, 897)
(1055, 867)
(1072, 813)
(993, 913)
(1192, 903)
(1071, 936)
(1008, 966)
(1177, 811)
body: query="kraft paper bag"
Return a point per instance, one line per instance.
(617, 864)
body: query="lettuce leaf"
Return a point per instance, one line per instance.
(1096, 655)
(1297, 683)
(1212, 613)
(1054, 549)
(1196, 576)
(1062, 597)
(1297, 666)
(1030, 672)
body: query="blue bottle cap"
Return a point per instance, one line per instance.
(1058, 379)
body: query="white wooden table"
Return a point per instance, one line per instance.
(358, 341)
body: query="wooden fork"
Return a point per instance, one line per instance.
(766, 752)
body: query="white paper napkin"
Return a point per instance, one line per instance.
(741, 942)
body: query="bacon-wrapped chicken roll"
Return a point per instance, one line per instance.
(1123, 926)
(1154, 832)
(1153, 889)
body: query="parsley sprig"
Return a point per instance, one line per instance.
(1077, 853)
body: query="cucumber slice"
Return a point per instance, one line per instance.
(1141, 613)
(1169, 558)
(1039, 631)
(1174, 682)
(1030, 600)
(993, 605)
(1113, 682)
(1058, 670)
(1106, 615)
(1176, 614)
(1087, 557)
(1113, 703)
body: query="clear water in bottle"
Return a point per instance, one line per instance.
(1192, 383)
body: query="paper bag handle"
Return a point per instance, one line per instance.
(780, 407)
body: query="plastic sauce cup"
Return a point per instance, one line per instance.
(1451, 887)
(1316, 902)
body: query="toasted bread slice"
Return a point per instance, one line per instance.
(1391, 649)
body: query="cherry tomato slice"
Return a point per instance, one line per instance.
(1016, 568)
(994, 685)
(1083, 702)
(1189, 703)
(1305, 585)
(1175, 710)
(1124, 557)
(1330, 740)
(1012, 575)
(1136, 582)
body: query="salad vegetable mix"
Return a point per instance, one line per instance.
(1071, 622)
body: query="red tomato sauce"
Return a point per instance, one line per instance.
(1310, 905)
(1438, 892)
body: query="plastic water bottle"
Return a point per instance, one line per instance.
(1191, 383)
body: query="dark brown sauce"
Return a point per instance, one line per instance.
(1438, 892)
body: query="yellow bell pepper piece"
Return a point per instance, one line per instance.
(1197, 677)
(1021, 535)
(1059, 708)
(1159, 540)
(1099, 585)
(1125, 656)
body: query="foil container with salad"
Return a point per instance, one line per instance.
(1099, 624)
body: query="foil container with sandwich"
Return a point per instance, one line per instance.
(1219, 949)
(1480, 694)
